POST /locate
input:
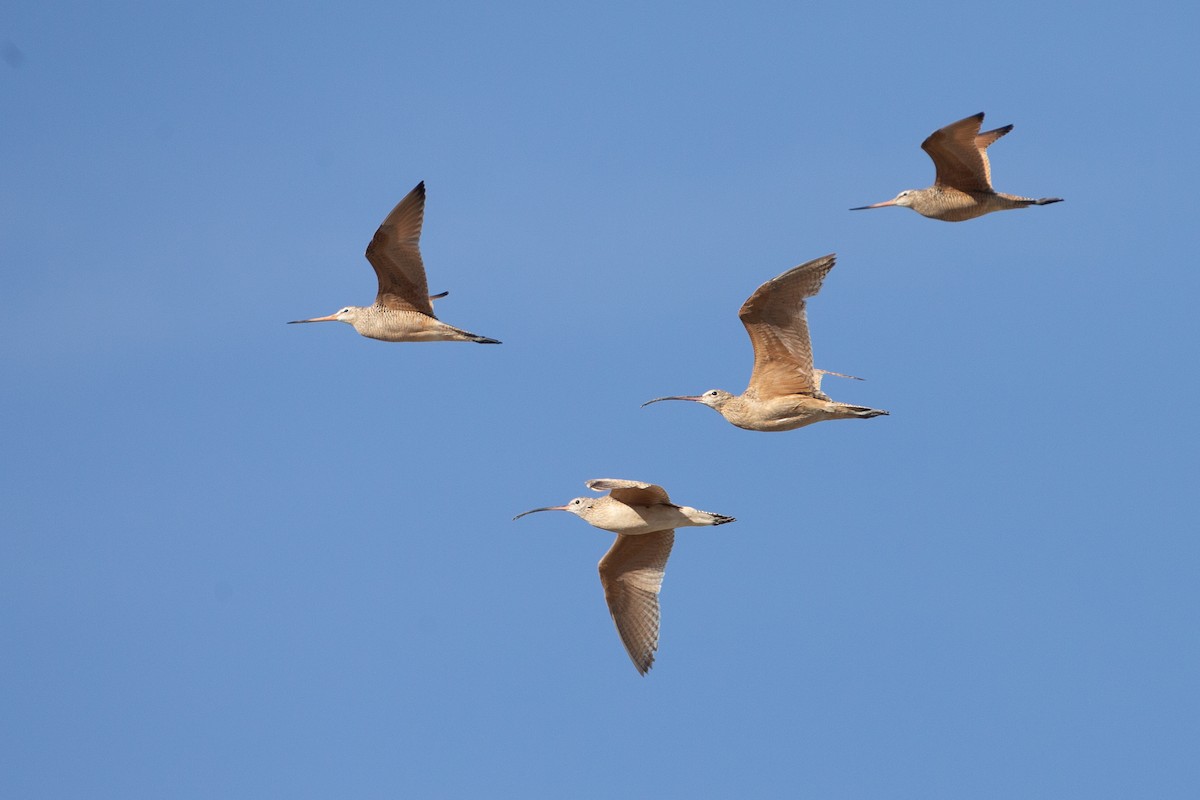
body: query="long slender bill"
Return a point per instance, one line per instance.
(875, 205)
(330, 318)
(534, 511)
(659, 399)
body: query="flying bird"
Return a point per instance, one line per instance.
(644, 519)
(403, 309)
(962, 189)
(784, 391)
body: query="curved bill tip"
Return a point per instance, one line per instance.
(673, 397)
(534, 511)
(875, 205)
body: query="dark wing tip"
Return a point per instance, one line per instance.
(824, 263)
(977, 119)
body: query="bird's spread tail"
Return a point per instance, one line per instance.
(863, 412)
(717, 519)
(1022, 202)
(467, 336)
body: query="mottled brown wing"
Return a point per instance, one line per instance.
(396, 256)
(982, 142)
(775, 319)
(632, 574)
(632, 493)
(959, 152)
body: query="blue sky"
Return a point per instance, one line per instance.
(242, 559)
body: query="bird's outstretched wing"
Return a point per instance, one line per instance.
(396, 256)
(632, 574)
(959, 152)
(775, 319)
(632, 493)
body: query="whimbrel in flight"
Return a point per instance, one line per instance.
(784, 391)
(644, 519)
(403, 311)
(963, 187)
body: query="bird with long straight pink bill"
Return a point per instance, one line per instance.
(631, 572)
(403, 309)
(785, 390)
(962, 189)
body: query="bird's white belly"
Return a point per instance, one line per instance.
(778, 414)
(636, 520)
(405, 326)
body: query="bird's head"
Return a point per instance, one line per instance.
(580, 506)
(713, 398)
(905, 198)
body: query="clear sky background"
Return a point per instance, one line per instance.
(242, 559)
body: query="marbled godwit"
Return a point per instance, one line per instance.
(402, 311)
(784, 391)
(644, 519)
(963, 187)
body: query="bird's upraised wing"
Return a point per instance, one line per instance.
(959, 152)
(776, 322)
(632, 493)
(396, 256)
